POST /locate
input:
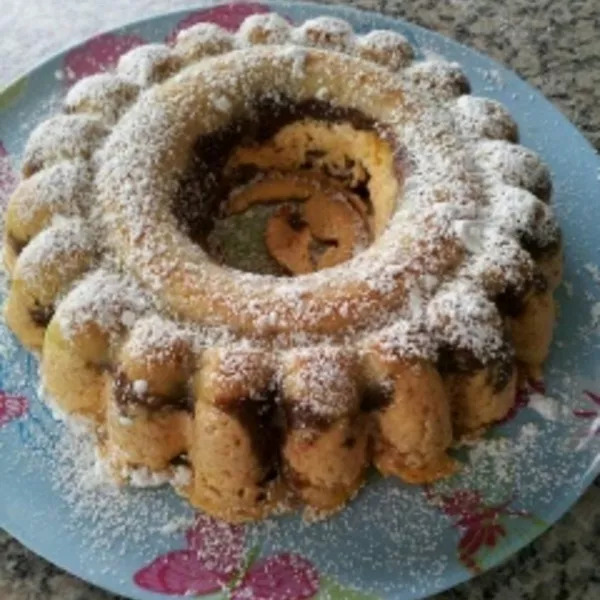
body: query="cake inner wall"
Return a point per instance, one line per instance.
(290, 189)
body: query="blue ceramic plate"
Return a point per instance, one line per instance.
(394, 541)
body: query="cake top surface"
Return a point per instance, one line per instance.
(468, 199)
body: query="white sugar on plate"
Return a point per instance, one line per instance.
(594, 271)
(108, 517)
(548, 408)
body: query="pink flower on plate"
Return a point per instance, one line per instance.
(228, 16)
(213, 555)
(11, 407)
(8, 178)
(181, 573)
(480, 524)
(218, 544)
(214, 559)
(279, 577)
(97, 54)
(591, 414)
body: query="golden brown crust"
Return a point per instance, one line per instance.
(326, 467)
(476, 402)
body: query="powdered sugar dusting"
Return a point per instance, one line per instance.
(103, 93)
(484, 118)
(437, 78)
(388, 48)
(53, 247)
(498, 262)
(547, 407)
(93, 498)
(268, 28)
(142, 64)
(513, 463)
(325, 31)
(318, 378)
(61, 189)
(406, 340)
(203, 32)
(62, 137)
(241, 364)
(153, 336)
(519, 212)
(513, 165)
(465, 318)
(107, 299)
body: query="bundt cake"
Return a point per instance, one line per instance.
(261, 262)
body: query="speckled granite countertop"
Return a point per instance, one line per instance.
(553, 44)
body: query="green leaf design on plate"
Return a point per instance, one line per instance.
(519, 529)
(9, 94)
(249, 560)
(332, 590)
(524, 527)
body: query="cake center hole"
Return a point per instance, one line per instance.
(293, 190)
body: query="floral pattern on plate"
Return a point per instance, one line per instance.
(215, 559)
(98, 54)
(12, 407)
(228, 16)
